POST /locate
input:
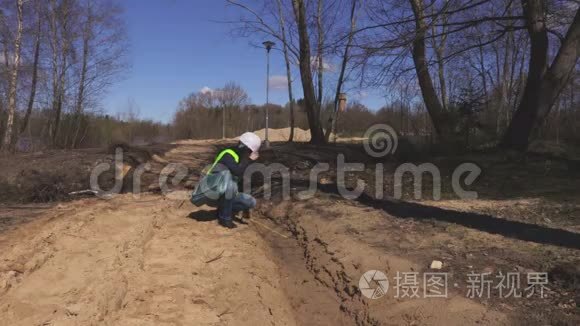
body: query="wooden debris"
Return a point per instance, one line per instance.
(215, 258)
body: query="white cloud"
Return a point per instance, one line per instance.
(278, 82)
(326, 66)
(361, 95)
(205, 90)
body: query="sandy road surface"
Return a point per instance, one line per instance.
(145, 261)
(136, 262)
(142, 261)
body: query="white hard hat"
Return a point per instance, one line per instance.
(251, 140)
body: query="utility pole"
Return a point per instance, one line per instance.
(268, 45)
(224, 122)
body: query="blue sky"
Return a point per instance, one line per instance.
(177, 47)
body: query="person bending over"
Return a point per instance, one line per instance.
(236, 159)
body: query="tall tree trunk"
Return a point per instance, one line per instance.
(331, 129)
(441, 120)
(59, 100)
(439, 50)
(59, 80)
(505, 81)
(312, 109)
(5, 50)
(561, 70)
(288, 70)
(543, 85)
(6, 57)
(5, 74)
(512, 86)
(82, 81)
(13, 80)
(519, 83)
(32, 96)
(505, 67)
(483, 73)
(441, 74)
(54, 48)
(320, 64)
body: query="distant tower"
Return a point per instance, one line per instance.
(341, 108)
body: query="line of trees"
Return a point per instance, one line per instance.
(208, 113)
(506, 70)
(227, 112)
(57, 59)
(499, 66)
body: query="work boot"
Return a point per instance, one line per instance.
(228, 224)
(246, 214)
(239, 220)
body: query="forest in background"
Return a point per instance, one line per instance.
(502, 70)
(466, 72)
(231, 102)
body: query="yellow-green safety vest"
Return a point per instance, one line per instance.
(221, 154)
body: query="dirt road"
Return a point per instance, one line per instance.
(136, 262)
(157, 260)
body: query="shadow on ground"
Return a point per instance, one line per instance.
(203, 215)
(482, 222)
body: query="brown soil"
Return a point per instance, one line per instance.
(49, 176)
(282, 135)
(154, 259)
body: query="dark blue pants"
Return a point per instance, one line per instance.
(232, 202)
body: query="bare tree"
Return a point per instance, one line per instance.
(439, 45)
(259, 23)
(86, 37)
(84, 42)
(14, 78)
(282, 24)
(60, 45)
(95, 59)
(441, 121)
(319, 54)
(312, 108)
(544, 83)
(230, 97)
(331, 129)
(35, 64)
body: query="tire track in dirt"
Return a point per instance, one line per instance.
(77, 266)
(336, 259)
(321, 266)
(327, 271)
(141, 261)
